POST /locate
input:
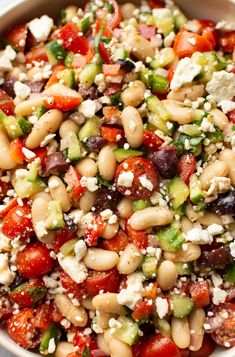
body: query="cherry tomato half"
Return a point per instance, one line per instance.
(108, 281)
(160, 346)
(225, 334)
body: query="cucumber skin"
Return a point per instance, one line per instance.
(182, 306)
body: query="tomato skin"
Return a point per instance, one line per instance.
(160, 346)
(7, 309)
(112, 88)
(225, 333)
(227, 42)
(138, 166)
(108, 281)
(139, 238)
(28, 293)
(81, 341)
(62, 236)
(70, 286)
(104, 53)
(16, 37)
(151, 140)
(117, 243)
(156, 4)
(116, 16)
(231, 116)
(110, 133)
(187, 166)
(208, 347)
(16, 153)
(200, 293)
(73, 180)
(71, 40)
(94, 231)
(111, 70)
(21, 329)
(142, 310)
(110, 113)
(147, 31)
(37, 54)
(8, 207)
(18, 223)
(183, 48)
(62, 103)
(43, 316)
(34, 261)
(6, 103)
(53, 78)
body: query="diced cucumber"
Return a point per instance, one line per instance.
(86, 23)
(128, 332)
(178, 192)
(122, 154)
(90, 128)
(53, 332)
(12, 127)
(69, 59)
(165, 23)
(149, 267)
(179, 18)
(147, 18)
(33, 172)
(158, 123)
(183, 268)
(164, 57)
(24, 125)
(68, 77)
(55, 52)
(88, 74)
(41, 110)
(24, 188)
(196, 194)
(216, 136)
(140, 204)
(230, 274)
(55, 219)
(180, 211)
(170, 239)
(155, 106)
(74, 147)
(2, 117)
(181, 305)
(68, 247)
(120, 54)
(163, 326)
(210, 63)
(157, 83)
(191, 129)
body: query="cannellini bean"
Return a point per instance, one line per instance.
(140, 47)
(125, 207)
(75, 314)
(6, 161)
(67, 126)
(87, 167)
(64, 349)
(219, 118)
(186, 225)
(179, 113)
(190, 252)
(39, 216)
(191, 213)
(133, 126)
(87, 200)
(29, 106)
(166, 275)
(108, 302)
(49, 123)
(130, 259)
(102, 318)
(87, 303)
(209, 218)
(59, 193)
(119, 348)
(180, 332)
(217, 168)
(110, 230)
(228, 156)
(196, 323)
(150, 217)
(127, 10)
(102, 344)
(106, 162)
(134, 94)
(190, 91)
(100, 259)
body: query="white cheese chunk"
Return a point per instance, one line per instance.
(218, 296)
(185, 72)
(227, 105)
(6, 57)
(22, 91)
(145, 182)
(76, 270)
(6, 275)
(87, 108)
(133, 292)
(232, 249)
(199, 235)
(215, 229)
(91, 183)
(80, 250)
(225, 26)
(161, 307)
(221, 86)
(126, 179)
(41, 27)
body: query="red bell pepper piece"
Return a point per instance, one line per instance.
(200, 293)
(62, 103)
(6, 103)
(111, 134)
(71, 39)
(16, 153)
(73, 180)
(16, 37)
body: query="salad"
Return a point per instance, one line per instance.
(117, 178)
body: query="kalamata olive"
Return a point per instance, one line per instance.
(69, 222)
(88, 93)
(217, 257)
(95, 143)
(225, 204)
(166, 161)
(35, 87)
(107, 198)
(17, 282)
(55, 163)
(126, 65)
(8, 86)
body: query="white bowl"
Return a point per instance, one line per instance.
(14, 11)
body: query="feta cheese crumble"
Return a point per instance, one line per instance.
(145, 182)
(185, 72)
(161, 307)
(133, 292)
(22, 91)
(126, 179)
(199, 235)
(87, 108)
(221, 86)
(41, 27)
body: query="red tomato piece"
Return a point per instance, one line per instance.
(16, 153)
(27, 294)
(200, 293)
(183, 47)
(18, 223)
(227, 42)
(94, 231)
(116, 18)
(138, 167)
(71, 39)
(43, 316)
(54, 78)
(8, 207)
(117, 243)
(70, 286)
(62, 236)
(62, 103)
(37, 54)
(147, 31)
(111, 70)
(206, 350)
(16, 37)
(187, 166)
(110, 113)
(78, 61)
(4, 187)
(112, 88)
(225, 334)
(22, 330)
(6, 103)
(160, 346)
(111, 134)
(142, 310)
(81, 341)
(34, 261)
(7, 309)
(73, 180)
(151, 140)
(104, 53)
(140, 238)
(170, 74)
(108, 281)
(41, 153)
(156, 4)
(231, 116)
(106, 31)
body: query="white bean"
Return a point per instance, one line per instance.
(39, 216)
(49, 123)
(6, 161)
(134, 94)
(191, 92)
(110, 230)
(75, 314)
(127, 10)
(196, 323)
(179, 113)
(59, 193)
(228, 156)
(67, 126)
(64, 348)
(219, 118)
(87, 200)
(180, 332)
(102, 318)
(133, 126)
(119, 348)
(190, 252)
(87, 303)
(102, 344)
(150, 217)
(166, 275)
(70, 12)
(130, 259)
(140, 47)
(125, 207)
(210, 218)
(108, 302)
(106, 162)
(87, 167)
(100, 259)
(186, 225)
(217, 168)
(29, 106)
